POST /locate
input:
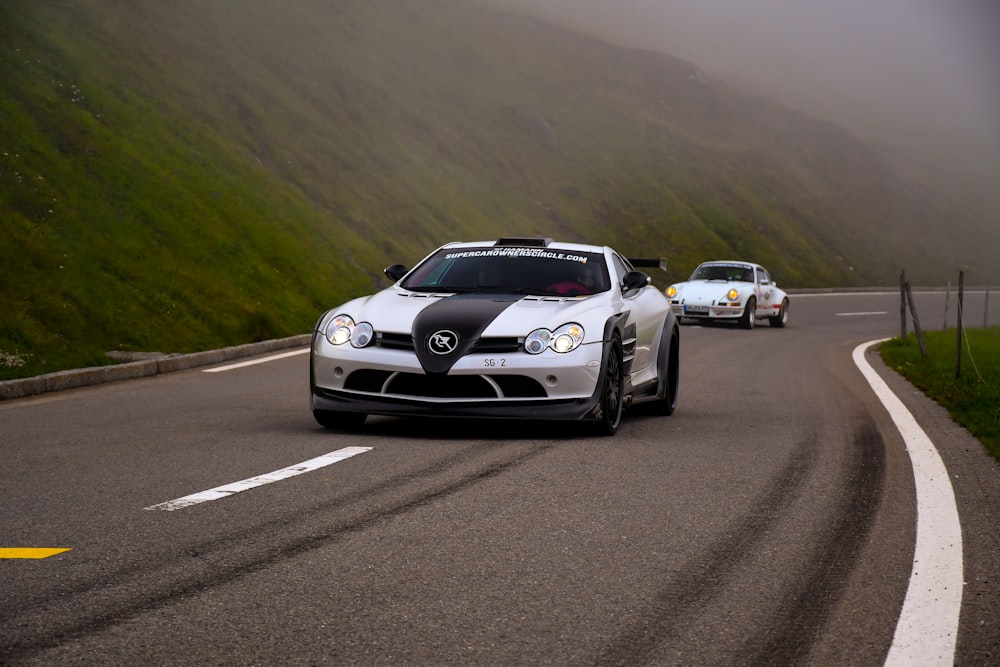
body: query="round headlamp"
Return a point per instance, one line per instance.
(338, 331)
(362, 335)
(567, 338)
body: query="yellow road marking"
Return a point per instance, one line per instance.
(29, 552)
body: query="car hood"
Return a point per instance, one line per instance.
(459, 321)
(401, 311)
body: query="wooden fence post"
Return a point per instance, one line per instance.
(902, 305)
(916, 322)
(986, 309)
(961, 324)
(947, 300)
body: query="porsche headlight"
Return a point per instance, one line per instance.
(564, 339)
(733, 294)
(671, 291)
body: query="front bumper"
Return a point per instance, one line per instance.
(707, 312)
(490, 385)
(559, 410)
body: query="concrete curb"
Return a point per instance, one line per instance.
(169, 363)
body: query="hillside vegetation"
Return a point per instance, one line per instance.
(194, 174)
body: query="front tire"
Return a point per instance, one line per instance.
(612, 390)
(749, 314)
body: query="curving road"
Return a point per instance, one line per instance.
(771, 520)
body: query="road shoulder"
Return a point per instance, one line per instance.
(975, 478)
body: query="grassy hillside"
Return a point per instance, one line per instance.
(187, 175)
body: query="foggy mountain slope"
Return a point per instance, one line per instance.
(918, 79)
(201, 174)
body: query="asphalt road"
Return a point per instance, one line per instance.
(770, 520)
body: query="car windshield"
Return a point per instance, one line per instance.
(535, 271)
(727, 272)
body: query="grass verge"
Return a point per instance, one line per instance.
(973, 398)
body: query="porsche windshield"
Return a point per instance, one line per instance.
(727, 272)
(511, 270)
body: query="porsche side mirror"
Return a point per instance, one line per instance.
(395, 272)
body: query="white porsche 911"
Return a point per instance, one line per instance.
(740, 292)
(523, 328)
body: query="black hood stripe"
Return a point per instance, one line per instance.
(467, 315)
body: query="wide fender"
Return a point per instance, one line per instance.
(618, 322)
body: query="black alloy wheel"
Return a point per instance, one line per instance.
(612, 389)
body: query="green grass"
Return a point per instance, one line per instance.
(182, 176)
(972, 399)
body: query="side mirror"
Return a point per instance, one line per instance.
(635, 280)
(395, 272)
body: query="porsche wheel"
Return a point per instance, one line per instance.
(781, 319)
(749, 314)
(339, 420)
(612, 390)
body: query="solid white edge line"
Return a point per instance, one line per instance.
(267, 478)
(253, 362)
(927, 629)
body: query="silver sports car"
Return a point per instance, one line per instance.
(523, 328)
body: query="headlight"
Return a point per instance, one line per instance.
(567, 338)
(537, 341)
(338, 331)
(671, 291)
(733, 294)
(342, 329)
(564, 339)
(362, 335)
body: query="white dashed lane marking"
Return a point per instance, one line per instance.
(236, 487)
(864, 314)
(254, 362)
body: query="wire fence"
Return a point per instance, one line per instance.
(907, 305)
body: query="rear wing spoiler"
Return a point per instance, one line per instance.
(647, 262)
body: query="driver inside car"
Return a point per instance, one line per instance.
(582, 283)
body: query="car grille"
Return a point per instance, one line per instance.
(394, 341)
(444, 386)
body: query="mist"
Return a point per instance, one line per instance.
(919, 77)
